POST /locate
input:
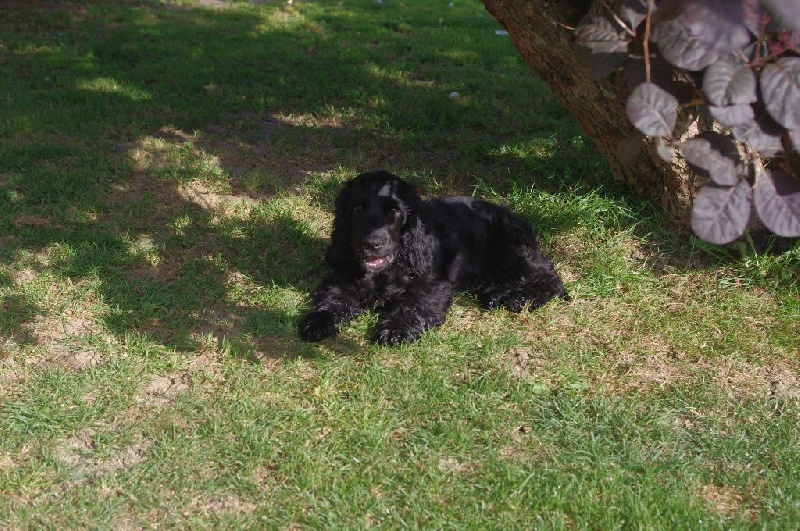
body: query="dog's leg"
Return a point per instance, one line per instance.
(336, 301)
(536, 285)
(522, 276)
(424, 305)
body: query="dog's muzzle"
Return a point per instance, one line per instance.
(376, 263)
(376, 250)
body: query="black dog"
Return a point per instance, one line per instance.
(408, 256)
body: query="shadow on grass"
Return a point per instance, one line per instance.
(88, 82)
(15, 312)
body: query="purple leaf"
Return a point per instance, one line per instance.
(652, 109)
(715, 156)
(732, 115)
(681, 48)
(633, 12)
(730, 82)
(601, 35)
(720, 213)
(777, 198)
(785, 12)
(753, 16)
(761, 133)
(780, 85)
(704, 30)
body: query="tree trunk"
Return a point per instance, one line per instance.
(542, 32)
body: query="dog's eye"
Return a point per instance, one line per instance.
(394, 212)
(357, 209)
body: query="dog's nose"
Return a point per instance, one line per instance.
(375, 242)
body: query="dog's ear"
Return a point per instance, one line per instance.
(407, 193)
(418, 245)
(416, 256)
(340, 252)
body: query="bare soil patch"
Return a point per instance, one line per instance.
(165, 389)
(81, 451)
(207, 198)
(223, 504)
(32, 220)
(60, 339)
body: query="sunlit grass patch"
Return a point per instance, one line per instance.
(178, 160)
(111, 86)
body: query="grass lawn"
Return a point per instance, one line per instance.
(167, 175)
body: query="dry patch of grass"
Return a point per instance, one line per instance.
(738, 379)
(80, 451)
(521, 443)
(211, 505)
(31, 220)
(6, 461)
(725, 500)
(165, 389)
(456, 465)
(207, 198)
(637, 342)
(60, 334)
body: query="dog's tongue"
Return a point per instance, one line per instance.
(374, 261)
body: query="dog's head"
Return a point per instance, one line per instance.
(374, 213)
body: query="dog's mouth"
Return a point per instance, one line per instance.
(374, 263)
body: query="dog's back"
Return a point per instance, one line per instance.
(479, 241)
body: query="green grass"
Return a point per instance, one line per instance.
(167, 176)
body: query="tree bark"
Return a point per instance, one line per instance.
(542, 32)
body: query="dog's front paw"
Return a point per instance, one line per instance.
(317, 325)
(393, 333)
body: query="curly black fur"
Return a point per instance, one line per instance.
(408, 256)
